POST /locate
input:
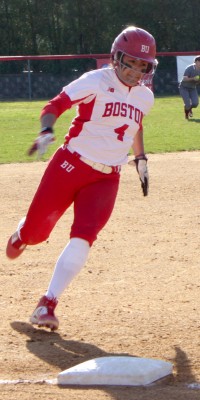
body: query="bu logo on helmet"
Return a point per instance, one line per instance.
(144, 49)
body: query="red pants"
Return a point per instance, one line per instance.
(68, 180)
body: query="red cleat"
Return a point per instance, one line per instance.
(43, 315)
(15, 246)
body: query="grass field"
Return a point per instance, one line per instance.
(166, 130)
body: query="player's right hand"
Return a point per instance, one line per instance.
(42, 142)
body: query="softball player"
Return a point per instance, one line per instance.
(188, 87)
(85, 170)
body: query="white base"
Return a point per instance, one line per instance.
(122, 370)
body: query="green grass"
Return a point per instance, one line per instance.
(20, 125)
(165, 129)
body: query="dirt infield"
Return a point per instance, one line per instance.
(138, 295)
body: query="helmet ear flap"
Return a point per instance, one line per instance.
(115, 63)
(149, 68)
(116, 58)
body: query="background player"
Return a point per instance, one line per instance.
(188, 87)
(85, 170)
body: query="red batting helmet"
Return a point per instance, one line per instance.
(137, 43)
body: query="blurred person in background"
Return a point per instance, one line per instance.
(188, 87)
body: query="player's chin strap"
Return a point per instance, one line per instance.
(140, 162)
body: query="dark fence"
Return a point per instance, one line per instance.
(42, 77)
(40, 86)
(43, 86)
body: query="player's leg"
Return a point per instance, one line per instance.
(194, 100)
(70, 262)
(93, 206)
(185, 94)
(53, 196)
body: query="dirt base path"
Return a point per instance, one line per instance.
(138, 295)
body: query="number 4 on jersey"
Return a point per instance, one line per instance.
(121, 131)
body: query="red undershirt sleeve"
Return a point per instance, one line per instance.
(57, 105)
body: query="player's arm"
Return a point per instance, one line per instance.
(140, 161)
(49, 114)
(190, 78)
(138, 144)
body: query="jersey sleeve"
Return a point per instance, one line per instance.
(147, 101)
(82, 90)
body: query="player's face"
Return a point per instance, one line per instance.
(131, 70)
(198, 64)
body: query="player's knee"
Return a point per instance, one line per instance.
(31, 238)
(34, 233)
(88, 236)
(36, 238)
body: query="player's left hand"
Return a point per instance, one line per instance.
(41, 143)
(142, 169)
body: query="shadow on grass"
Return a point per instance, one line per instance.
(194, 120)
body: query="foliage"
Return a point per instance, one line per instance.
(165, 129)
(31, 27)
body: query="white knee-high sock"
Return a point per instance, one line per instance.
(70, 262)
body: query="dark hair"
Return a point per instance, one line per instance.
(197, 58)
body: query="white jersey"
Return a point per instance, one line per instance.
(109, 115)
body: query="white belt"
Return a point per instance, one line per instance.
(106, 169)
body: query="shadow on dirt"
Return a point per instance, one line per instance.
(53, 349)
(64, 354)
